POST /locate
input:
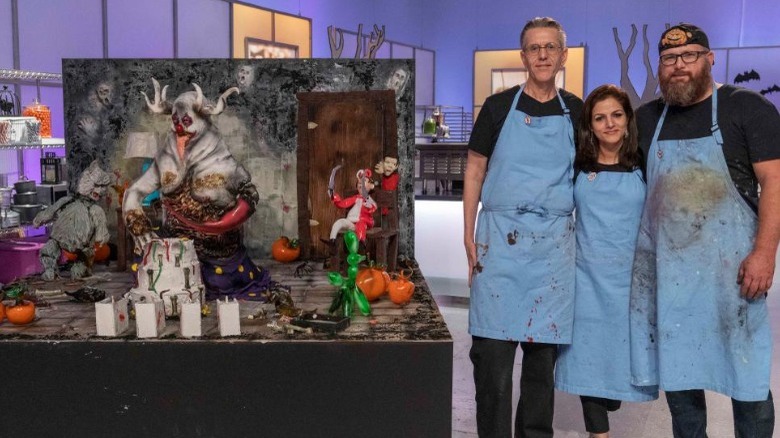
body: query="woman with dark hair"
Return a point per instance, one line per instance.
(609, 192)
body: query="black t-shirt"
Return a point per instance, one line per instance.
(598, 167)
(493, 113)
(749, 124)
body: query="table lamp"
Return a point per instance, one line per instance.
(143, 145)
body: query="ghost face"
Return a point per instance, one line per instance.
(104, 92)
(245, 76)
(397, 80)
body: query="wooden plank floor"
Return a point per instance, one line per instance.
(64, 319)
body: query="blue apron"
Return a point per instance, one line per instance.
(690, 329)
(597, 363)
(523, 286)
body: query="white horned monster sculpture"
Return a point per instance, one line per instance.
(206, 193)
(79, 224)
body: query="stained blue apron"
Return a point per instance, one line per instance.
(690, 329)
(597, 363)
(524, 282)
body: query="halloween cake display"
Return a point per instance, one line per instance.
(169, 270)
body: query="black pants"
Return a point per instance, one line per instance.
(493, 365)
(595, 411)
(689, 415)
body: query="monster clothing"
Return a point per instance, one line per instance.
(496, 108)
(748, 122)
(226, 269)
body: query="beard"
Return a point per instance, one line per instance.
(689, 92)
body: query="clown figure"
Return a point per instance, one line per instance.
(360, 216)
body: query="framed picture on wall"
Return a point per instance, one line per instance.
(505, 78)
(261, 49)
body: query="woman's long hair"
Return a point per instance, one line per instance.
(588, 147)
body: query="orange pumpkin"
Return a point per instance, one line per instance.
(285, 250)
(401, 289)
(373, 282)
(22, 313)
(102, 252)
(2, 312)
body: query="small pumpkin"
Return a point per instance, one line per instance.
(373, 282)
(21, 313)
(285, 250)
(401, 288)
(102, 252)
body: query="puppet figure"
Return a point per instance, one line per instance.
(79, 224)
(360, 216)
(388, 168)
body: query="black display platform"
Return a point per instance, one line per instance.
(385, 376)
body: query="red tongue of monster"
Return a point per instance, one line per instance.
(182, 138)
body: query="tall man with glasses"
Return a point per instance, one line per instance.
(521, 257)
(707, 243)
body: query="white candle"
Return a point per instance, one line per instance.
(227, 313)
(111, 318)
(149, 319)
(190, 320)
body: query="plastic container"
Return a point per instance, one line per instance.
(20, 259)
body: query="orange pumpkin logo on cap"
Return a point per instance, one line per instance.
(676, 37)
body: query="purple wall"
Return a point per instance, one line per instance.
(458, 30)
(50, 31)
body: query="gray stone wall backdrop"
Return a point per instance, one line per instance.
(104, 104)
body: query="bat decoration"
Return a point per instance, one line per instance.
(773, 89)
(751, 75)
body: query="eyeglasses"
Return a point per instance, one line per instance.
(687, 57)
(534, 49)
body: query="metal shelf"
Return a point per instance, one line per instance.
(28, 76)
(44, 144)
(459, 122)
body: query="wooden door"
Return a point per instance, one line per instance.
(353, 129)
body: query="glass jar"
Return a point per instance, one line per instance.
(42, 113)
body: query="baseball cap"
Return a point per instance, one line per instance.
(682, 34)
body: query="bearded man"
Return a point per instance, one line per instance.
(707, 243)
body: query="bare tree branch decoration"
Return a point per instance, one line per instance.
(625, 80)
(651, 90)
(336, 39)
(359, 41)
(376, 41)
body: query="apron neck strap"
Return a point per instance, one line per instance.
(714, 128)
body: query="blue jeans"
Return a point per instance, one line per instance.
(689, 415)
